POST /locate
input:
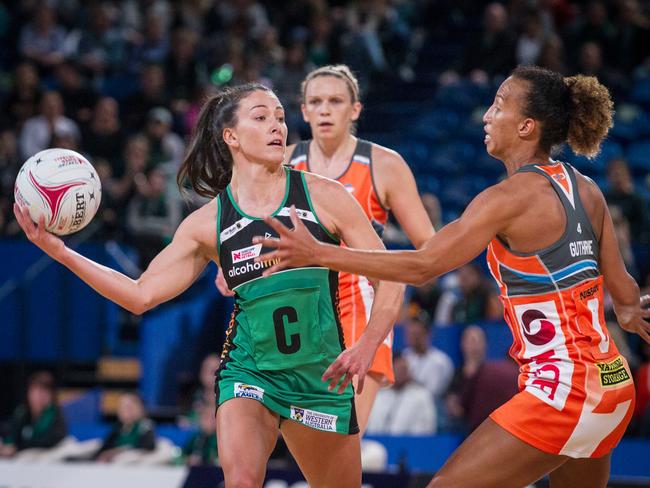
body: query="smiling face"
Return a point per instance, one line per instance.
(260, 131)
(328, 107)
(504, 120)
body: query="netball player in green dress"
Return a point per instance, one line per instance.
(285, 329)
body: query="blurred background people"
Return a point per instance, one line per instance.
(38, 422)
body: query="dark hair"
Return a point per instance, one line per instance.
(208, 162)
(42, 379)
(576, 109)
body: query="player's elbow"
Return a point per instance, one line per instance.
(138, 308)
(420, 273)
(141, 304)
(416, 276)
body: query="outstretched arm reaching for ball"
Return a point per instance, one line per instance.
(487, 216)
(454, 245)
(168, 275)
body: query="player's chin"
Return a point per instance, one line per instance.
(274, 155)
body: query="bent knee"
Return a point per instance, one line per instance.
(240, 477)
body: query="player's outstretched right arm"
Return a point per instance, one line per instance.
(168, 275)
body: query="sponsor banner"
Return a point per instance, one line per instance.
(314, 419)
(250, 267)
(242, 390)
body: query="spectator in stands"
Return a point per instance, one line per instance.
(531, 40)
(10, 163)
(24, 98)
(595, 27)
(490, 54)
(406, 408)
(479, 386)
(552, 55)
(622, 231)
(153, 216)
(121, 180)
(287, 84)
(37, 132)
(474, 301)
(591, 62)
(78, 98)
(319, 52)
(429, 366)
(132, 430)
(38, 423)
(621, 193)
(183, 71)
(104, 137)
(151, 94)
(101, 49)
(201, 448)
(631, 44)
(204, 394)
(473, 346)
(42, 40)
(65, 138)
(167, 148)
(154, 45)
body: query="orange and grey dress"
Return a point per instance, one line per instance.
(355, 292)
(576, 394)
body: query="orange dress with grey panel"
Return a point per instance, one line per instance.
(355, 292)
(576, 394)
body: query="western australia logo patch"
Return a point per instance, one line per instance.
(314, 419)
(242, 390)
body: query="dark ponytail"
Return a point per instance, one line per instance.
(207, 166)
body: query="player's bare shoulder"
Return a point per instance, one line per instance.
(321, 185)
(386, 160)
(200, 227)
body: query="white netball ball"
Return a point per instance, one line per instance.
(61, 185)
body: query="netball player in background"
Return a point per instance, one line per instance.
(551, 248)
(378, 178)
(285, 329)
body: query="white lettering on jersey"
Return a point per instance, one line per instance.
(581, 248)
(550, 369)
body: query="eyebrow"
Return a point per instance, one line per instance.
(264, 106)
(325, 97)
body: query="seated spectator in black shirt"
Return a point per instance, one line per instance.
(132, 430)
(78, 98)
(38, 423)
(104, 137)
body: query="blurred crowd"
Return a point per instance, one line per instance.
(122, 81)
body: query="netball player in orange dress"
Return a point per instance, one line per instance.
(551, 248)
(378, 178)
